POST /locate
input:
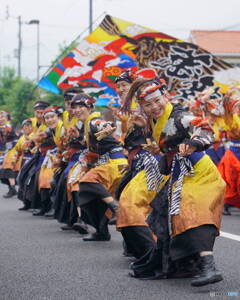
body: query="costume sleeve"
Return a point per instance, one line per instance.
(19, 147)
(60, 143)
(199, 132)
(11, 137)
(103, 144)
(80, 127)
(99, 124)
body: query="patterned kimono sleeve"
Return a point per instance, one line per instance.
(19, 146)
(99, 124)
(80, 127)
(11, 137)
(62, 134)
(199, 132)
(60, 145)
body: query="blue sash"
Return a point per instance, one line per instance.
(116, 155)
(194, 158)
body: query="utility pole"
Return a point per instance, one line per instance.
(19, 50)
(37, 22)
(19, 45)
(38, 53)
(90, 16)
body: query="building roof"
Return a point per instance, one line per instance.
(217, 41)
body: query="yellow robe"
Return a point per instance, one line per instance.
(42, 127)
(68, 124)
(202, 195)
(66, 120)
(109, 174)
(134, 202)
(19, 152)
(46, 173)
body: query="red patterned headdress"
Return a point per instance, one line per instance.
(151, 90)
(49, 110)
(83, 99)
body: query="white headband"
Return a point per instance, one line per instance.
(154, 94)
(49, 113)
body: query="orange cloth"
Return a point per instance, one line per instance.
(108, 174)
(134, 203)
(10, 160)
(202, 198)
(45, 178)
(74, 186)
(229, 168)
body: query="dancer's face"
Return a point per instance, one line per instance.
(38, 113)
(154, 108)
(67, 103)
(122, 88)
(27, 129)
(82, 112)
(51, 120)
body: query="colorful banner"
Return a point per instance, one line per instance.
(116, 45)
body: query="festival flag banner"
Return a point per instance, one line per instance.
(116, 45)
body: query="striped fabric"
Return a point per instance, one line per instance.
(47, 162)
(77, 166)
(103, 159)
(149, 163)
(232, 144)
(186, 169)
(1, 157)
(76, 171)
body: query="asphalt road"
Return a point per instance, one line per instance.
(39, 261)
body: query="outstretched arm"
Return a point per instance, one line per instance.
(200, 135)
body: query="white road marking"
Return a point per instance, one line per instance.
(230, 236)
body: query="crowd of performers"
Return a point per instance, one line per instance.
(164, 181)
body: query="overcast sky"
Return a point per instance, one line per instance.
(63, 20)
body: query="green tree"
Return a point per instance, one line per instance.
(51, 98)
(8, 80)
(22, 99)
(17, 95)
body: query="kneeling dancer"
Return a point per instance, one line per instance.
(187, 212)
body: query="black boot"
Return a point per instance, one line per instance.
(26, 206)
(102, 233)
(226, 211)
(184, 268)
(149, 275)
(81, 226)
(45, 203)
(66, 227)
(11, 193)
(50, 213)
(114, 208)
(96, 237)
(38, 212)
(208, 274)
